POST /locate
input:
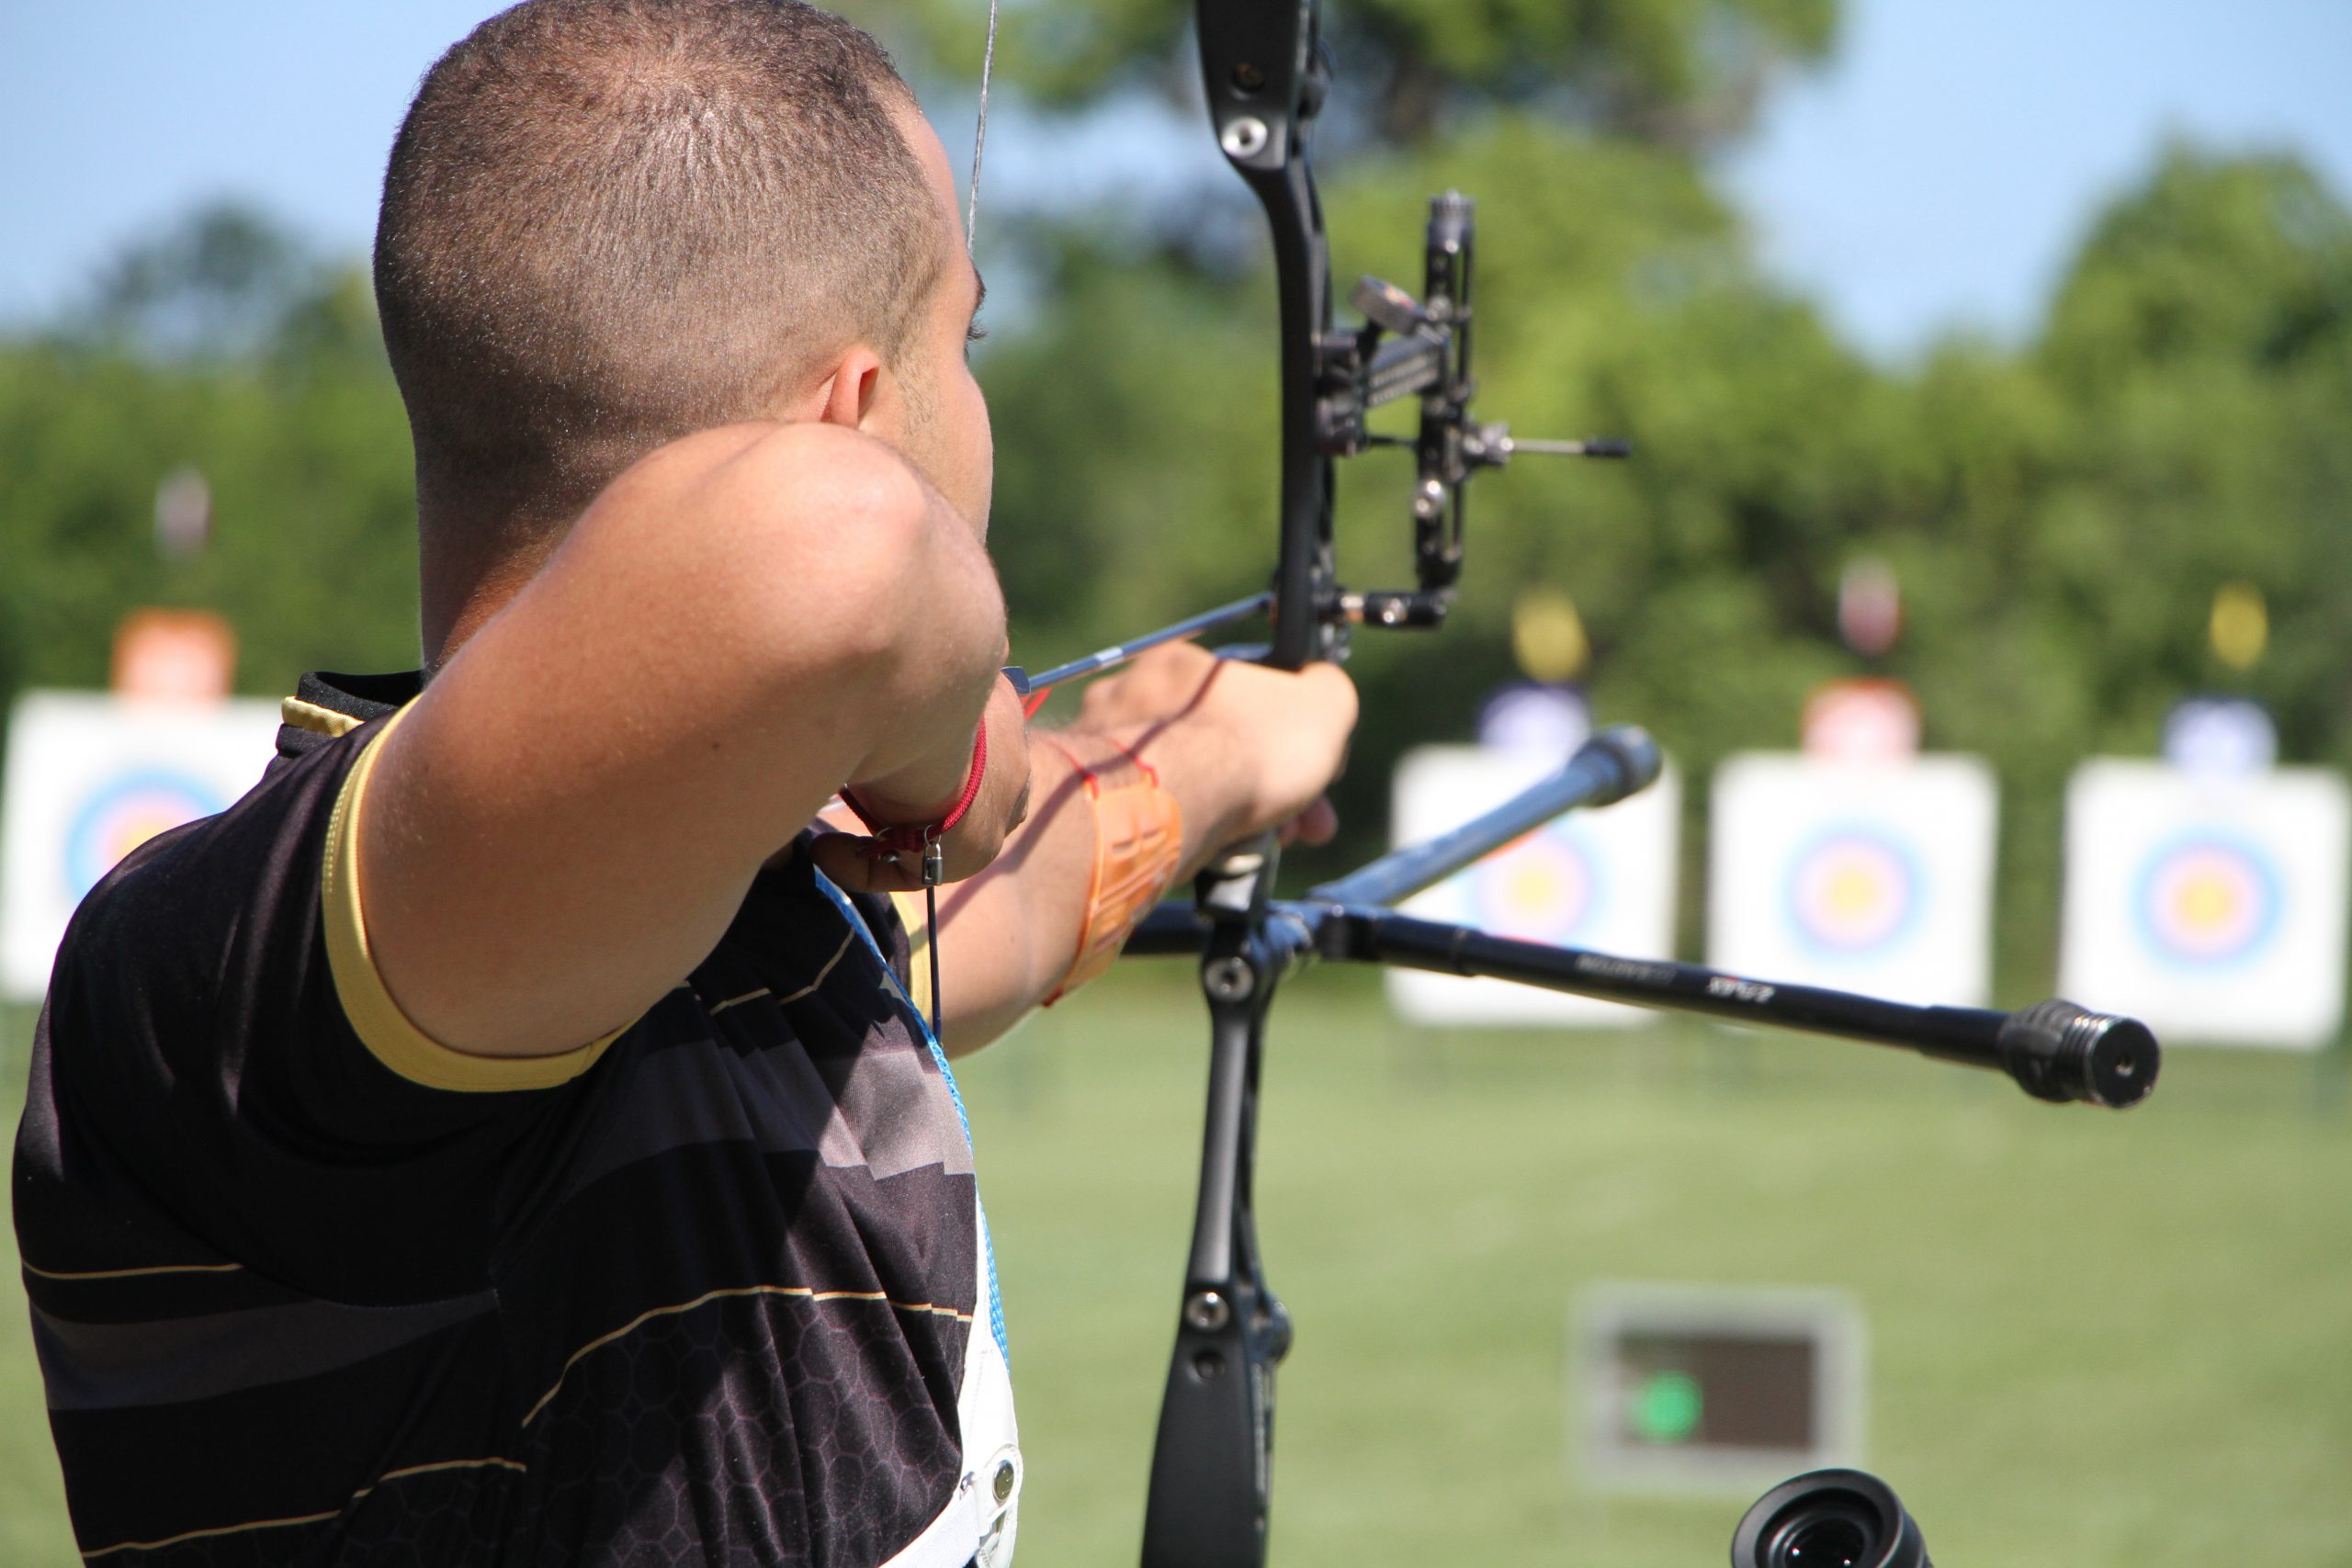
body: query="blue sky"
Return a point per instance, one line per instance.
(1942, 171)
(1937, 174)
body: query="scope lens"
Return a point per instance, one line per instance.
(1823, 1543)
(1829, 1518)
(1831, 1531)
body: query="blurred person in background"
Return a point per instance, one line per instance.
(512, 1131)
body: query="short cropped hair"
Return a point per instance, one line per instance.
(608, 223)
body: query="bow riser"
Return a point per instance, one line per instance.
(1265, 77)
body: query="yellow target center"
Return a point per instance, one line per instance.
(2204, 902)
(1852, 890)
(1532, 885)
(136, 829)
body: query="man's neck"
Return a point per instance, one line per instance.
(462, 588)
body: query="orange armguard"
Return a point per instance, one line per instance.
(1139, 838)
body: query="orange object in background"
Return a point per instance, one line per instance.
(175, 656)
(1865, 719)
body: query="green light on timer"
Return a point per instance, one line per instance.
(1667, 1407)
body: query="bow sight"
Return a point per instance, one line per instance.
(1428, 357)
(1426, 354)
(1266, 74)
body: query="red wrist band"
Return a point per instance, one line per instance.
(920, 837)
(891, 839)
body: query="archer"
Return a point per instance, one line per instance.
(511, 1133)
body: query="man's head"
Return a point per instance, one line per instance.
(607, 223)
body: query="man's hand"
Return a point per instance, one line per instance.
(1241, 749)
(1246, 748)
(914, 796)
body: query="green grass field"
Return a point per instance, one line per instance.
(2095, 1338)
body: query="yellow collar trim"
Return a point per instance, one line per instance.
(316, 719)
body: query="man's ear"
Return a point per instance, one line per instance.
(858, 394)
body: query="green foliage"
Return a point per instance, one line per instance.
(303, 445)
(2205, 338)
(2244, 263)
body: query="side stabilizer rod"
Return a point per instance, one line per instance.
(1620, 760)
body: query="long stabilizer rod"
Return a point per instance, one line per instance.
(2054, 1050)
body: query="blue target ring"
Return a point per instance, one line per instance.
(124, 813)
(1853, 891)
(2208, 899)
(1546, 888)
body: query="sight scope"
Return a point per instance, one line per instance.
(1829, 1518)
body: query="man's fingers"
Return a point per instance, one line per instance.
(1316, 825)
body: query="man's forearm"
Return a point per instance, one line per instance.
(1011, 934)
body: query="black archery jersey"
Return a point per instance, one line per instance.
(308, 1288)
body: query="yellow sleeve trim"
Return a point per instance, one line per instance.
(910, 915)
(375, 1015)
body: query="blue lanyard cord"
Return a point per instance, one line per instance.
(954, 1095)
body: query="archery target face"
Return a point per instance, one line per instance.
(1544, 889)
(1601, 879)
(1861, 876)
(124, 814)
(2208, 899)
(2212, 907)
(90, 778)
(1853, 889)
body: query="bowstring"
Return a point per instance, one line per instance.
(971, 240)
(980, 136)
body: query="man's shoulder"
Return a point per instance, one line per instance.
(768, 467)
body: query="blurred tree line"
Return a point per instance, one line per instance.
(220, 344)
(2060, 514)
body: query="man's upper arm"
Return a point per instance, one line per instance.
(565, 821)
